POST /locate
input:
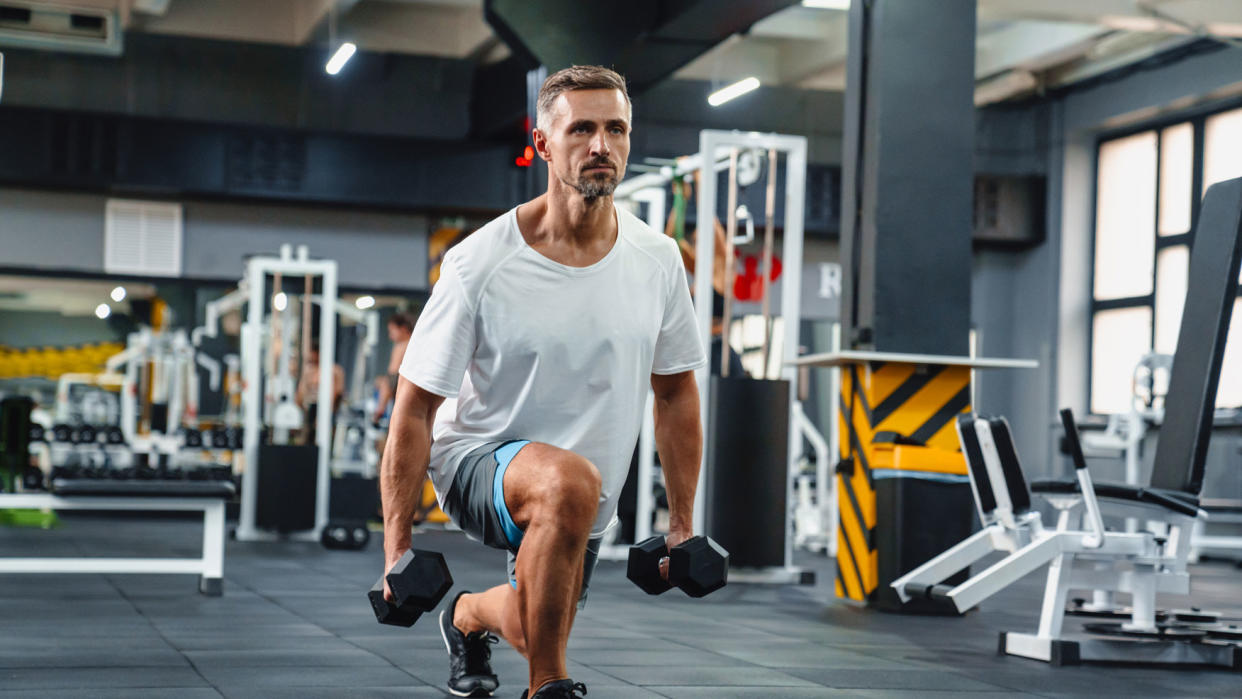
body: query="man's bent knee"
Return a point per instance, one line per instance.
(566, 490)
(555, 486)
(571, 490)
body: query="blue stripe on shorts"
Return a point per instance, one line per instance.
(504, 455)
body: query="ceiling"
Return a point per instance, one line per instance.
(1022, 47)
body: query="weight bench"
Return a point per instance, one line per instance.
(208, 497)
(1091, 557)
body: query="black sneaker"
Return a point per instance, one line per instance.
(560, 689)
(470, 669)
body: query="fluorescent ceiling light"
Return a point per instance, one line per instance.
(280, 301)
(729, 92)
(118, 294)
(827, 4)
(364, 302)
(340, 58)
(102, 311)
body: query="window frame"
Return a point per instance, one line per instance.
(1197, 118)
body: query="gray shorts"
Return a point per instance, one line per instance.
(476, 503)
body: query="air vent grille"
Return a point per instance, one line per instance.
(142, 237)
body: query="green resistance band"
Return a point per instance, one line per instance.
(679, 209)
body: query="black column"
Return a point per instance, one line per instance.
(908, 174)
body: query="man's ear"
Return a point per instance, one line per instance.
(541, 144)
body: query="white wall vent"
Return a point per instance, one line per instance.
(58, 26)
(142, 237)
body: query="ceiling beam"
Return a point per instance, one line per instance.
(1216, 17)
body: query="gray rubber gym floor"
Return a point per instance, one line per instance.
(294, 622)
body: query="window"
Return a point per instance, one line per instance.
(1148, 186)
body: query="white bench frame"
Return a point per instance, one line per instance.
(210, 566)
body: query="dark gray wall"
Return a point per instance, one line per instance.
(51, 231)
(1014, 291)
(57, 231)
(264, 84)
(374, 250)
(1035, 303)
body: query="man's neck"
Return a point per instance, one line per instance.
(577, 220)
(566, 227)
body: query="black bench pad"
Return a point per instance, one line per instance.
(141, 488)
(1182, 503)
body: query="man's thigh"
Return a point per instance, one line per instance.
(475, 501)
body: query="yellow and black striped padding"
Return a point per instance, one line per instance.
(916, 401)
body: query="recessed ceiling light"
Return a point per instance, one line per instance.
(340, 58)
(735, 90)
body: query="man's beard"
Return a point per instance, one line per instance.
(592, 187)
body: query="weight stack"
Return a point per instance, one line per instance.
(747, 469)
(287, 485)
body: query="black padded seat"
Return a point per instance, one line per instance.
(140, 488)
(1174, 500)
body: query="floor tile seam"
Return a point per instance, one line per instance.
(160, 633)
(333, 634)
(732, 660)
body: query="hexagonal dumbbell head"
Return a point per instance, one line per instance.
(643, 567)
(420, 578)
(699, 566)
(388, 613)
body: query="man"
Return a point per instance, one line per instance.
(720, 276)
(308, 391)
(400, 327)
(547, 325)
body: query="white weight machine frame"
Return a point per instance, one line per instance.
(1090, 557)
(258, 268)
(711, 143)
(174, 363)
(648, 188)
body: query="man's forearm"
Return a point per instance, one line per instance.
(679, 439)
(403, 469)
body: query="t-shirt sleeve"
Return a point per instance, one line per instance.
(444, 337)
(678, 347)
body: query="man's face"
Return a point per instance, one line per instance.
(396, 333)
(588, 142)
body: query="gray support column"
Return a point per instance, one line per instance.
(908, 175)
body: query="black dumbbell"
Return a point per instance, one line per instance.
(114, 435)
(193, 438)
(37, 433)
(418, 580)
(698, 566)
(32, 478)
(219, 438)
(86, 435)
(62, 432)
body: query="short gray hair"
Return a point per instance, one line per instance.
(577, 78)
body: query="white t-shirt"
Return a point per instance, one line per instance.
(534, 349)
